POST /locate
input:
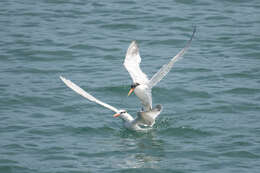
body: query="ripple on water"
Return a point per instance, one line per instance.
(61, 129)
(185, 132)
(105, 130)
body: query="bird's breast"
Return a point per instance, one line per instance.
(141, 91)
(144, 94)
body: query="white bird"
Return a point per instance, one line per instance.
(129, 121)
(142, 86)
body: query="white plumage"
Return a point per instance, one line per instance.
(142, 85)
(129, 121)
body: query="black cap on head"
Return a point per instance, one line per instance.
(134, 85)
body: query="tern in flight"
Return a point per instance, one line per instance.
(143, 118)
(142, 86)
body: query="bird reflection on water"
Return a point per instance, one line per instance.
(140, 150)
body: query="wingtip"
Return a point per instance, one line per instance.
(134, 45)
(193, 32)
(133, 48)
(62, 78)
(158, 107)
(191, 38)
(134, 42)
(194, 28)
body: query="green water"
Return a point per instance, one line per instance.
(211, 98)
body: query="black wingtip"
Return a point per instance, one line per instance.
(192, 36)
(194, 31)
(158, 107)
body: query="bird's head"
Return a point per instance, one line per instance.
(123, 115)
(133, 86)
(120, 113)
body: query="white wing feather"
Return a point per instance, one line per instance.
(132, 64)
(83, 93)
(167, 67)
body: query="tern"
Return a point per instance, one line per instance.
(142, 86)
(143, 118)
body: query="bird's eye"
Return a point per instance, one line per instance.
(132, 86)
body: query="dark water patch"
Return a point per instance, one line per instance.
(217, 18)
(217, 106)
(105, 130)
(31, 145)
(194, 70)
(245, 75)
(208, 79)
(243, 143)
(170, 42)
(59, 157)
(246, 107)
(37, 101)
(173, 19)
(7, 161)
(198, 155)
(118, 90)
(40, 131)
(13, 128)
(125, 2)
(16, 147)
(43, 55)
(150, 170)
(100, 154)
(254, 39)
(242, 91)
(35, 71)
(110, 57)
(226, 38)
(224, 109)
(234, 2)
(180, 94)
(15, 168)
(86, 47)
(247, 46)
(120, 26)
(67, 108)
(38, 115)
(254, 55)
(52, 150)
(240, 154)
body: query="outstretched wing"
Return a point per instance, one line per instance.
(83, 93)
(167, 67)
(132, 64)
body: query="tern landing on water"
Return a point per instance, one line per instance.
(142, 86)
(143, 118)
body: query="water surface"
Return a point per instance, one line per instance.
(210, 121)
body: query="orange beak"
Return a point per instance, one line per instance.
(116, 115)
(130, 91)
